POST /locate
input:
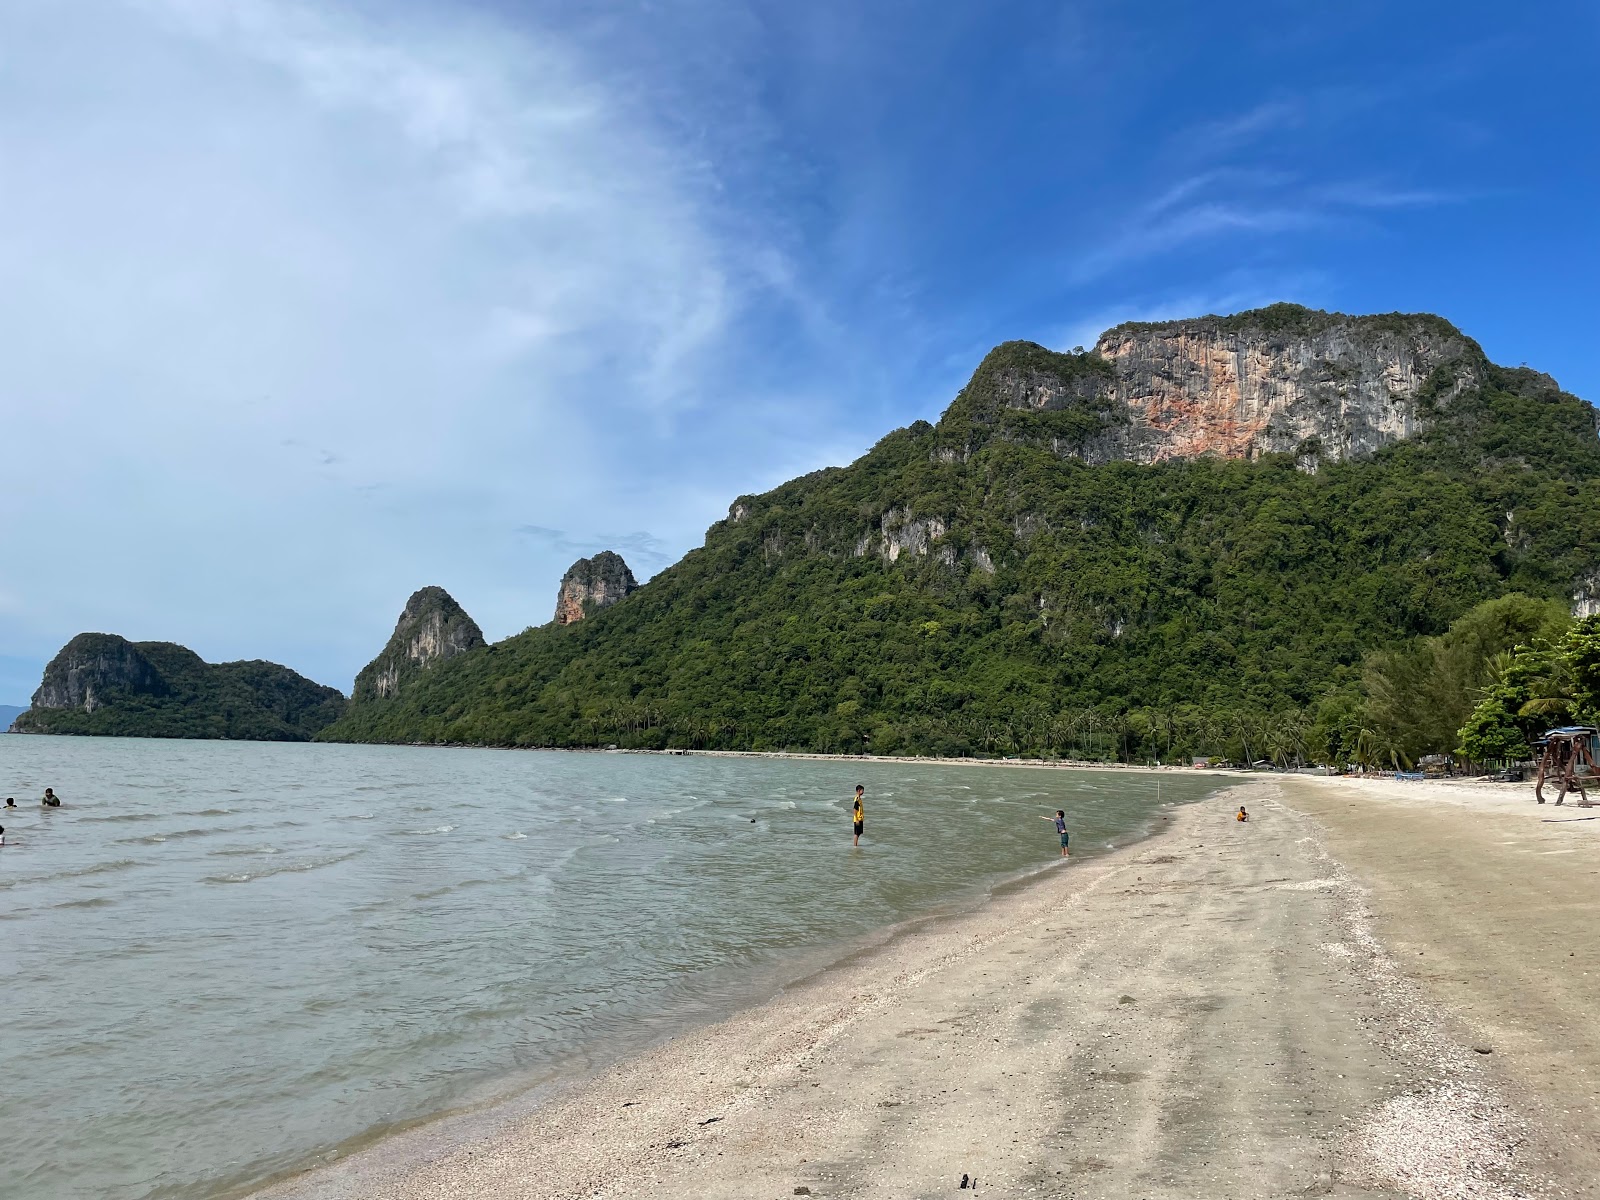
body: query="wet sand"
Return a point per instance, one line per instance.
(1208, 1013)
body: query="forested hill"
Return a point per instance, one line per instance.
(1193, 528)
(102, 684)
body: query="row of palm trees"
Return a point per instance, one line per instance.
(1085, 733)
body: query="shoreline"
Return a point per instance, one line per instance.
(1214, 1009)
(511, 1099)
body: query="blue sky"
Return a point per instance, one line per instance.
(312, 304)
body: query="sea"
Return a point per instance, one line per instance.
(224, 961)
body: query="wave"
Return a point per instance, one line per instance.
(119, 864)
(446, 889)
(134, 816)
(286, 868)
(91, 902)
(514, 837)
(152, 838)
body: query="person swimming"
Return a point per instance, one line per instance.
(51, 800)
(11, 801)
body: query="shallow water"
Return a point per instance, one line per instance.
(221, 960)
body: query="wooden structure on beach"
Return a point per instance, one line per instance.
(1566, 756)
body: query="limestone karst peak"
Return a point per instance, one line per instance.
(432, 628)
(591, 584)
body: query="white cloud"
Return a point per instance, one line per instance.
(308, 306)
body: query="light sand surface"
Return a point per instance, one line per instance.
(1204, 1014)
(1492, 902)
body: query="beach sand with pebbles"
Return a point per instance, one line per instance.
(1370, 989)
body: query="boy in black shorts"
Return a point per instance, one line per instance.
(859, 815)
(1060, 820)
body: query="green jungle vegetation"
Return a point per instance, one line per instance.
(1354, 614)
(179, 695)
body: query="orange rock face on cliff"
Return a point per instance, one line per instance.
(591, 584)
(1195, 388)
(1278, 380)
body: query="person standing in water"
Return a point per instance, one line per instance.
(858, 815)
(1060, 821)
(51, 800)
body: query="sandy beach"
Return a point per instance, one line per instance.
(1370, 989)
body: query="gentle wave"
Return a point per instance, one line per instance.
(102, 868)
(231, 851)
(151, 838)
(285, 869)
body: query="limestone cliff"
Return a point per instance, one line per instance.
(1283, 379)
(103, 684)
(432, 628)
(95, 667)
(591, 584)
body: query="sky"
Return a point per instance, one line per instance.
(307, 305)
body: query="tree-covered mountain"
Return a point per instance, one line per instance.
(1188, 538)
(105, 685)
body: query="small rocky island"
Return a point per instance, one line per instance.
(104, 684)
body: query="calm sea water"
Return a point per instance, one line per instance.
(222, 960)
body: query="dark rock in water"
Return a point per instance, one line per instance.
(103, 684)
(591, 584)
(433, 628)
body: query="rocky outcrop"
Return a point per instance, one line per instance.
(433, 628)
(591, 584)
(1284, 379)
(1586, 594)
(93, 668)
(103, 684)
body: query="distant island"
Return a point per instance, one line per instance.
(1263, 535)
(104, 684)
(8, 714)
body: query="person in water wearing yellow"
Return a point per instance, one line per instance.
(1241, 815)
(1060, 820)
(859, 815)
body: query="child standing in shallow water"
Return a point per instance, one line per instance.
(1060, 820)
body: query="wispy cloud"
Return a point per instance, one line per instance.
(1226, 134)
(641, 549)
(1258, 203)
